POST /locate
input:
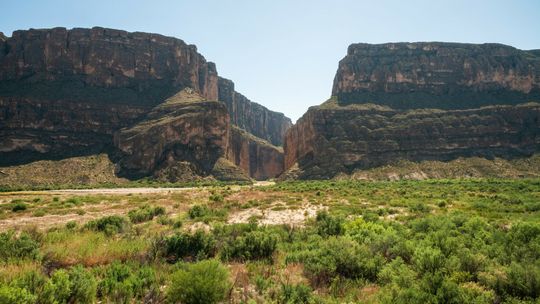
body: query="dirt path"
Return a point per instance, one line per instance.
(124, 191)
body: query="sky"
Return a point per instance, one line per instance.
(284, 54)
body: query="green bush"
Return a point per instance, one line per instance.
(145, 213)
(17, 247)
(198, 211)
(19, 207)
(109, 224)
(16, 295)
(253, 245)
(199, 245)
(57, 289)
(204, 282)
(523, 281)
(295, 294)
(122, 284)
(340, 256)
(83, 286)
(218, 198)
(328, 225)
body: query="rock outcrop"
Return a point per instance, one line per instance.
(251, 116)
(66, 93)
(437, 75)
(329, 140)
(185, 128)
(259, 158)
(416, 102)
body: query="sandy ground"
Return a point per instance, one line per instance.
(124, 191)
(293, 217)
(98, 210)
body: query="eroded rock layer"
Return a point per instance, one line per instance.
(253, 117)
(437, 75)
(65, 93)
(332, 139)
(416, 102)
(259, 158)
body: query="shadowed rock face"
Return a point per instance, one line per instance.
(260, 159)
(185, 128)
(437, 75)
(420, 101)
(69, 92)
(327, 141)
(251, 116)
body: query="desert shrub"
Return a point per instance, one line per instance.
(340, 256)
(205, 214)
(39, 213)
(398, 273)
(57, 289)
(328, 225)
(33, 281)
(19, 207)
(198, 211)
(295, 294)
(523, 281)
(215, 197)
(83, 286)
(16, 295)
(109, 224)
(17, 247)
(428, 259)
(73, 201)
(420, 208)
(253, 245)
(145, 213)
(121, 283)
(204, 282)
(71, 225)
(380, 238)
(199, 245)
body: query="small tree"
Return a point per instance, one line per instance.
(205, 282)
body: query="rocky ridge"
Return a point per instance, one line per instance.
(419, 102)
(66, 93)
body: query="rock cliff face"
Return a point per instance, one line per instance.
(328, 141)
(420, 101)
(437, 75)
(260, 159)
(185, 128)
(70, 92)
(251, 116)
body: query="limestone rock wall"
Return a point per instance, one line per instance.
(437, 75)
(260, 159)
(251, 116)
(86, 91)
(327, 141)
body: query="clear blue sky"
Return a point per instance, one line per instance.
(284, 54)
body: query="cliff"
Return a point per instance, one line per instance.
(419, 102)
(437, 75)
(259, 158)
(66, 93)
(330, 140)
(251, 116)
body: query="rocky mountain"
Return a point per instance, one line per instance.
(152, 102)
(437, 75)
(416, 102)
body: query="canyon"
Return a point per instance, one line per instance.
(159, 110)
